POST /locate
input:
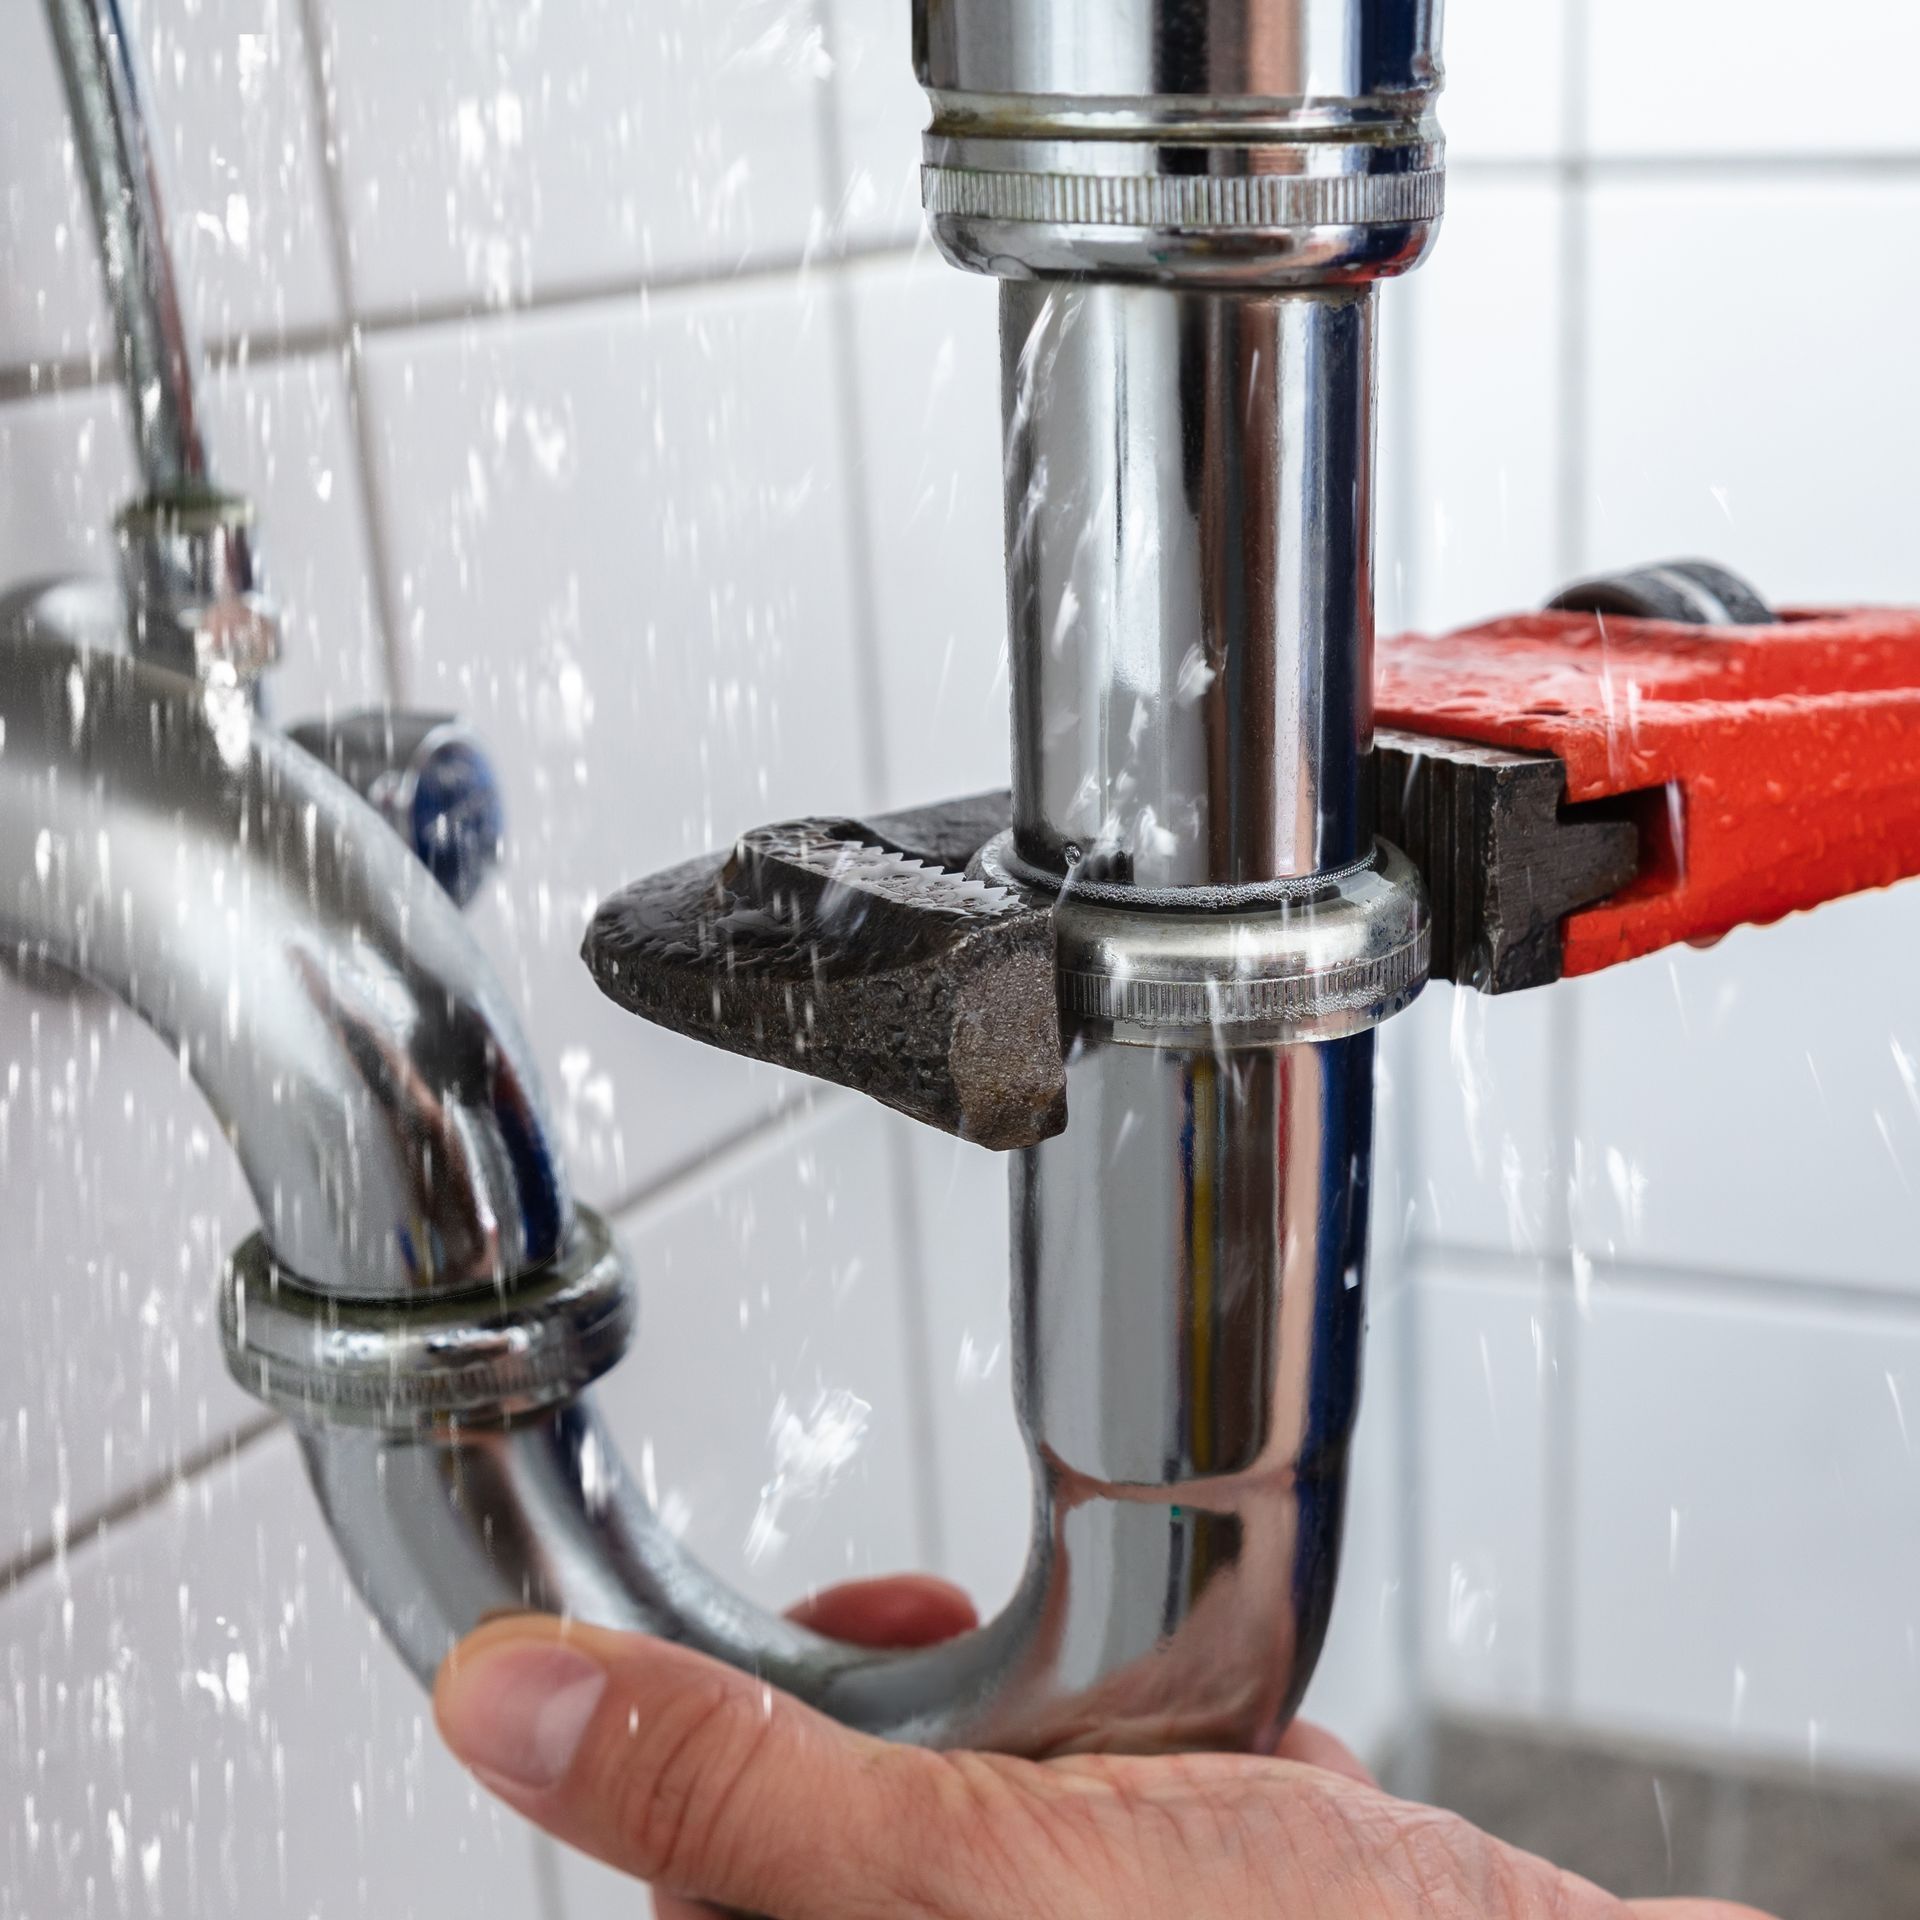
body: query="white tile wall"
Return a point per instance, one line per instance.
(767, 1394)
(1487, 428)
(1720, 1092)
(1748, 1559)
(1506, 96)
(201, 1719)
(1767, 77)
(622, 532)
(927, 345)
(229, 85)
(619, 532)
(1487, 1381)
(880, 113)
(1487, 1158)
(1793, 462)
(51, 306)
(495, 153)
(239, 152)
(122, 1202)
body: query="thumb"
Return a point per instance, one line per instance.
(681, 1771)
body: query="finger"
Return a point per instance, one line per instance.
(910, 1610)
(1314, 1746)
(686, 1773)
(669, 1906)
(1693, 1910)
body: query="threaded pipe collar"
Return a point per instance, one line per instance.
(401, 1365)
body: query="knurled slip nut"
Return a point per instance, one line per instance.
(473, 1358)
(1184, 202)
(1335, 959)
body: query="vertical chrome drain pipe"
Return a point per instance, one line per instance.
(1188, 206)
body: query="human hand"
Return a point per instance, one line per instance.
(714, 1787)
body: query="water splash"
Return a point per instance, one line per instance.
(809, 1455)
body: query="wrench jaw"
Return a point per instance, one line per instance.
(859, 952)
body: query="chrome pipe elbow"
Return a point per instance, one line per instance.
(1185, 1383)
(160, 840)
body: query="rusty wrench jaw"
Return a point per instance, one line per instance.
(857, 951)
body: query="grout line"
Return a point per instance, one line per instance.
(373, 516)
(40, 379)
(850, 421)
(82, 372)
(1410, 1460)
(1563, 1329)
(1663, 1279)
(548, 1892)
(1559, 1519)
(1402, 368)
(1686, 166)
(124, 1507)
(561, 296)
(932, 1541)
(720, 1155)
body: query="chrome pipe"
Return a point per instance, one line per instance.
(1187, 203)
(1187, 1323)
(1212, 186)
(160, 840)
(428, 1307)
(186, 548)
(1189, 580)
(99, 68)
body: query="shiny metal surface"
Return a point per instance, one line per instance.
(1336, 956)
(1189, 473)
(194, 598)
(160, 840)
(1321, 53)
(1227, 142)
(1189, 480)
(1187, 1319)
(1187, 1296)
(94, 40)
(1188, 1299)
(187, 568)
(531, 1342)
(430, 779)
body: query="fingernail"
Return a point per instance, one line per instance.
(518, 1715)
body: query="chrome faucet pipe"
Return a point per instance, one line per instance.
(94, 42)
(186, 547)
(159, 839)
